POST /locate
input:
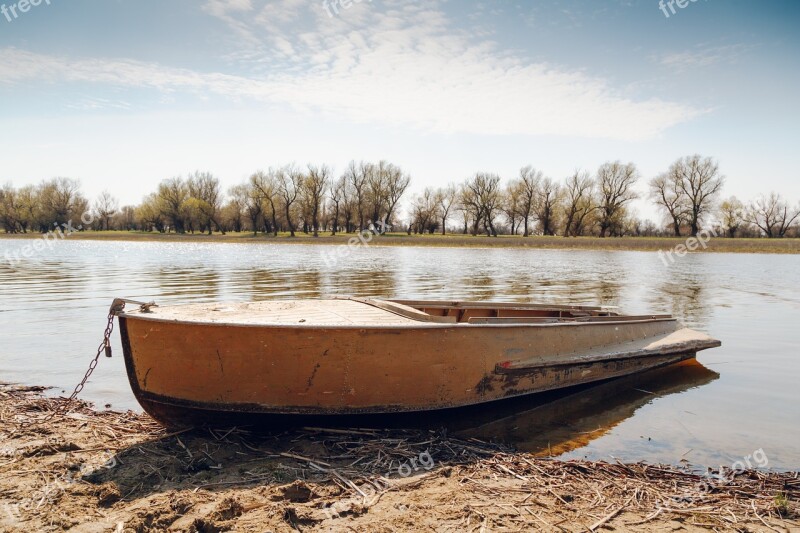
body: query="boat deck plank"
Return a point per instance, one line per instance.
(681, 341)
(337, 312)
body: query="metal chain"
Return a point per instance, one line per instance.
(105, 347)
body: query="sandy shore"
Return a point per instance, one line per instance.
(107, 471)
(645, 244)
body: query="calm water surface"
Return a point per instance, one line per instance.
(741, 398)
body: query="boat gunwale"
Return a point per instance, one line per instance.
(412, 311)
(417, 325)
(460, 304)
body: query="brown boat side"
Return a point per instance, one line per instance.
(360, 369)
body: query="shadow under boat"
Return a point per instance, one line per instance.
(565, 419)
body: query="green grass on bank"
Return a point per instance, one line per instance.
(715, 244)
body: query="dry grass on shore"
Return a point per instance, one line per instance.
(715, 244)
(100, 471)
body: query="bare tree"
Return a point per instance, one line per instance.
(467, 206)
(631, 225)
(266, 190)
(249, 198)
(649, 228)
(126, 219)
(9, 209)
(510, 203)
(289, 180)
(529, 182)
(234, 209)
(60, 202)
(772, 215)
(338, 197)
(446, 199)
(732, 214)
(106, 207)
(424, 212)
(615, 183)
(348, 205)
(172, 196)
(547, 199)
(28, 207)
(313, 187)
(151, 213)
(667, 191)
(579, 198)
(376, 193)
(700, 182)
(358, 176)
(482, 195)
(396, 184)
(205, 188)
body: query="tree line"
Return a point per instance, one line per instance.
(313, 200)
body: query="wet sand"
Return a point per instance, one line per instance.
(94, 470)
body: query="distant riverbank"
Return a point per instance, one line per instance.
(714, 244)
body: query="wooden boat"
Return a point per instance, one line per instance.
(213, 363)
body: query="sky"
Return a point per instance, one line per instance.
(122, 94)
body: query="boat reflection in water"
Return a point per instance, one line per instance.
(556, 423)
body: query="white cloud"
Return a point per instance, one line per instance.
(221, 8)
(703, 56)
(227, 10)
(95, 104)
(398, 64)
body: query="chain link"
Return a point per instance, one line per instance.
(105, 347)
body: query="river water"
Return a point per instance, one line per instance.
(740, 399)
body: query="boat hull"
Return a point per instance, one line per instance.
(184, 373)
